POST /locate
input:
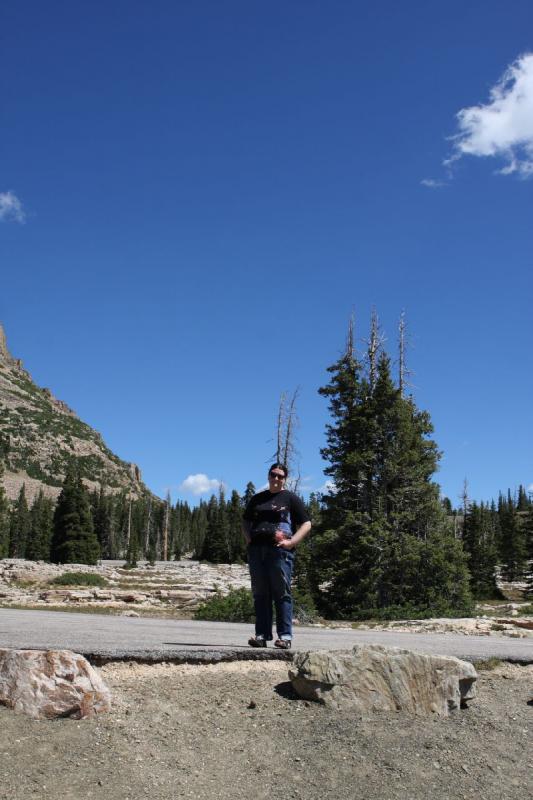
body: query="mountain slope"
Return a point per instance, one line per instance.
(40, 436)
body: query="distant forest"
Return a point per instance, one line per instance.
(383, 542)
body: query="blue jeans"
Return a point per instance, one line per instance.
(271, 574)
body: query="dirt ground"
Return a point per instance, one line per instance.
(237, 731)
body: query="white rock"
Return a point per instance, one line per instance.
(46, 684)
(376, 678)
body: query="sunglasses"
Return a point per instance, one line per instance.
(276, 476)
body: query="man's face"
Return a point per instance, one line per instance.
(276, 480)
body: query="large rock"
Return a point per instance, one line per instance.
(46, 684)
(376, 678)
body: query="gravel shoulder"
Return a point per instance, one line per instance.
(236, 730)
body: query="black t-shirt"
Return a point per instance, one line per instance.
(272, 511)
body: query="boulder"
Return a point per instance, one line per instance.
(46, 684)
(377, 678)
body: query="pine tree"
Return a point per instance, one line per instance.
(522, 503)
(217, 544)
(528, 531)
(512, 545)
(103, 522)
(182, 541)
(199, 523)
(248, 494)
(384, 539)
(42, 526)
(479, 541)
(20, 526)
(238, 544)
(4, 518)
(74, 540)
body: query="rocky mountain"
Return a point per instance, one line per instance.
(40, 436)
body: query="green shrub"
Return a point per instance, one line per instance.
(236, 606)
(79, 579)
(304, 609)
(409, 611)
(526, 609)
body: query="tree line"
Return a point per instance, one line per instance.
(84, 527)
(383, 540)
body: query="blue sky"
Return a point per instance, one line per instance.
(195, 196)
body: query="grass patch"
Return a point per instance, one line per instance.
(79, 579)
(527, 610)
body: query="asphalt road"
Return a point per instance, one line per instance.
(104, 638)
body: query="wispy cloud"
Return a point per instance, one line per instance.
(431, 183)
(200, 484)
(11, 208)
(503, 127)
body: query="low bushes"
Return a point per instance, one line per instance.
(79, 579)
(236, 606)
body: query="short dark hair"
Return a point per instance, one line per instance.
(277, 465)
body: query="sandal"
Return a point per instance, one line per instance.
(283, 644)
(253, 641)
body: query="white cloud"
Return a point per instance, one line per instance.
(11, 208)
(530, 487)
(431, 183)
(200, 484)
(503, 127)
(328, 488)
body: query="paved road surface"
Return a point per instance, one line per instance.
(103, 638)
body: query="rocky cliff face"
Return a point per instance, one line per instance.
(40, 436)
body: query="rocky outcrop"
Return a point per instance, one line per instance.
(41, 436)
(46, 684)
(376, 678)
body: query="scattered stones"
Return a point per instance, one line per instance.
(46, 684)
(175, 584)
(376, 678)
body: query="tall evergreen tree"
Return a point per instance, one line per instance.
(234, 512)
(512, 544)
(74, 540)
(199, 522)
(42, 526)
(522, 503)
(384, 539)
(248, 493)
(103, 522)
(4, 518)
(217, 543)
(20, 526)
(480, 542)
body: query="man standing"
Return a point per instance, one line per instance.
(274, 522)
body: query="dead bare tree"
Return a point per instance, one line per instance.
(287, 423)
(403, 341)
(374, 346)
